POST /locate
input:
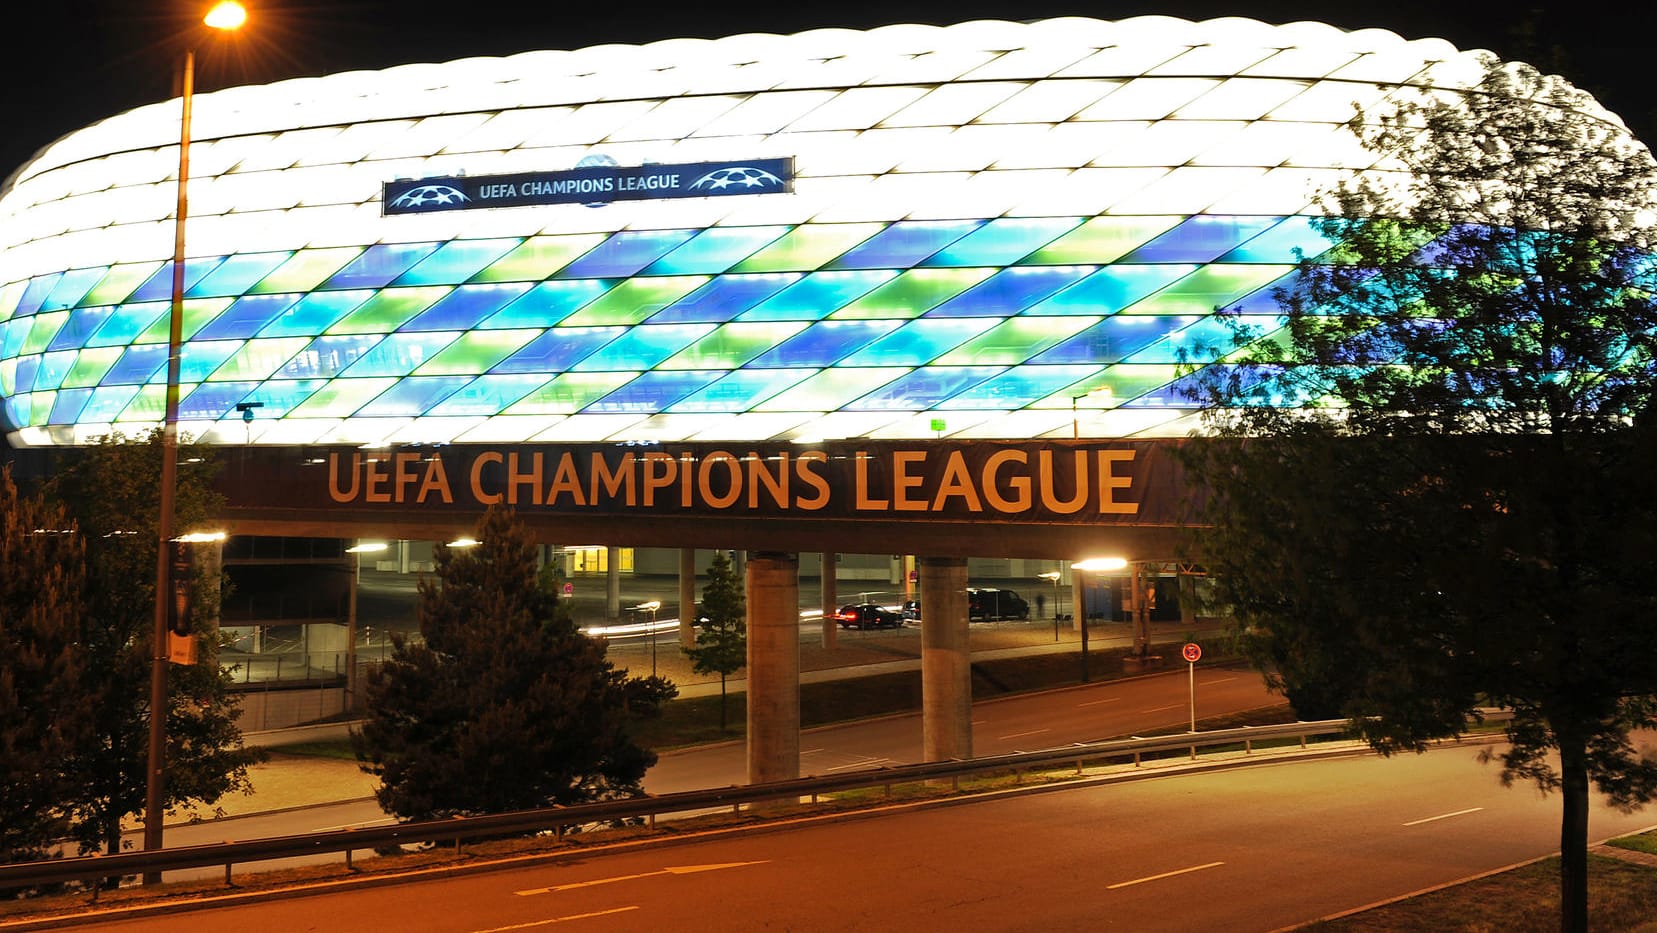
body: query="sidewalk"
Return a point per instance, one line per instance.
(289, 780)
(863, 654)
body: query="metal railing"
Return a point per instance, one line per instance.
(649, 808)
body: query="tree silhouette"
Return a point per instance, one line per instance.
(502, 703)
(722, 640)
(1432, 488)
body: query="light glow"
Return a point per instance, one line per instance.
(226, 15)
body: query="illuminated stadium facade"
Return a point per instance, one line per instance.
(988, 230)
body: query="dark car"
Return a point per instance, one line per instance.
(867, 615)
(912, 610)
(988, 603)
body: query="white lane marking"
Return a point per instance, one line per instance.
(1444, 816)
(1222, 680)
(358, 825)
(671, 870)
(865, 763)
(1097, 702)
(1020, 735)
(1161, 708)
(810, 751)
(1166, 874)
(552, 920)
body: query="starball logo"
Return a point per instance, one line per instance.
(430, 197)
(737, 176)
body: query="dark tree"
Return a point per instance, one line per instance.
(1432, 489)
(42, 593)
(111, 490)
(502, 703)
(721, 641)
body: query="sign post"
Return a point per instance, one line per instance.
(1192, 652)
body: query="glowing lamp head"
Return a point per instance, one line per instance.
(226, 15)
(1100, 564)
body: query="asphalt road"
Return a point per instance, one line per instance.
(1022, 723)
(1254, 849)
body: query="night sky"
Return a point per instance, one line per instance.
(72, 63)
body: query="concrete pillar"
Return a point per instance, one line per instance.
(687, 597)
(831, 599)
(1187, 598)
(773, 594)
(946, 662)
(612, 583)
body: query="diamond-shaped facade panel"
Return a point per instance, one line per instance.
(986, 227)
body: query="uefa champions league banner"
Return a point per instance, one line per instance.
(591, 185)
(1052, 482)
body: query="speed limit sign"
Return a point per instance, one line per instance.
(1191, 652)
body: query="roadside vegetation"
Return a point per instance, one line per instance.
(77, 625)
(1524, 900)
(1430, 483)
(503, 703)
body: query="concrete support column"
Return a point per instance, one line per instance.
(773, 594)
(831, 599)
(612, 583)
(687, 597)
(946, 662)
(1187, 599)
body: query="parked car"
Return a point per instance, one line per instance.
(988, 603)
(912, 610)
(867, 615)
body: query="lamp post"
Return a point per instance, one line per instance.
(1053, 576)
(1075, 414)
(226, 15)
(1091, 565)
(355, 551)
(650, 630)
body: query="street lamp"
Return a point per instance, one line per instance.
(356, 551)
(651, 607)
(1075, 415)
(1053, 577)
(1092, 565)
(224, 16)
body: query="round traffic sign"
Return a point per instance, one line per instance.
(1191, 652)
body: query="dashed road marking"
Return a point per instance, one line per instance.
(1443, 816)
(1020, 735)
(1166, 874)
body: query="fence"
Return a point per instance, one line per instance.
(648, 808)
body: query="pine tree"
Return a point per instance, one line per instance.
(42, 718)
(111, 490)
(722, 641)
(502, 703)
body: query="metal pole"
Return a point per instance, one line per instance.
(1082, 617)
(351, 634)
(155, 764)
(1055, 609)
(1192, 672)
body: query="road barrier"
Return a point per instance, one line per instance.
(648, 808)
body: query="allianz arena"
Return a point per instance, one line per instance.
(987, 230)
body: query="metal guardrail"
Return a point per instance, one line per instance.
(557, 819)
